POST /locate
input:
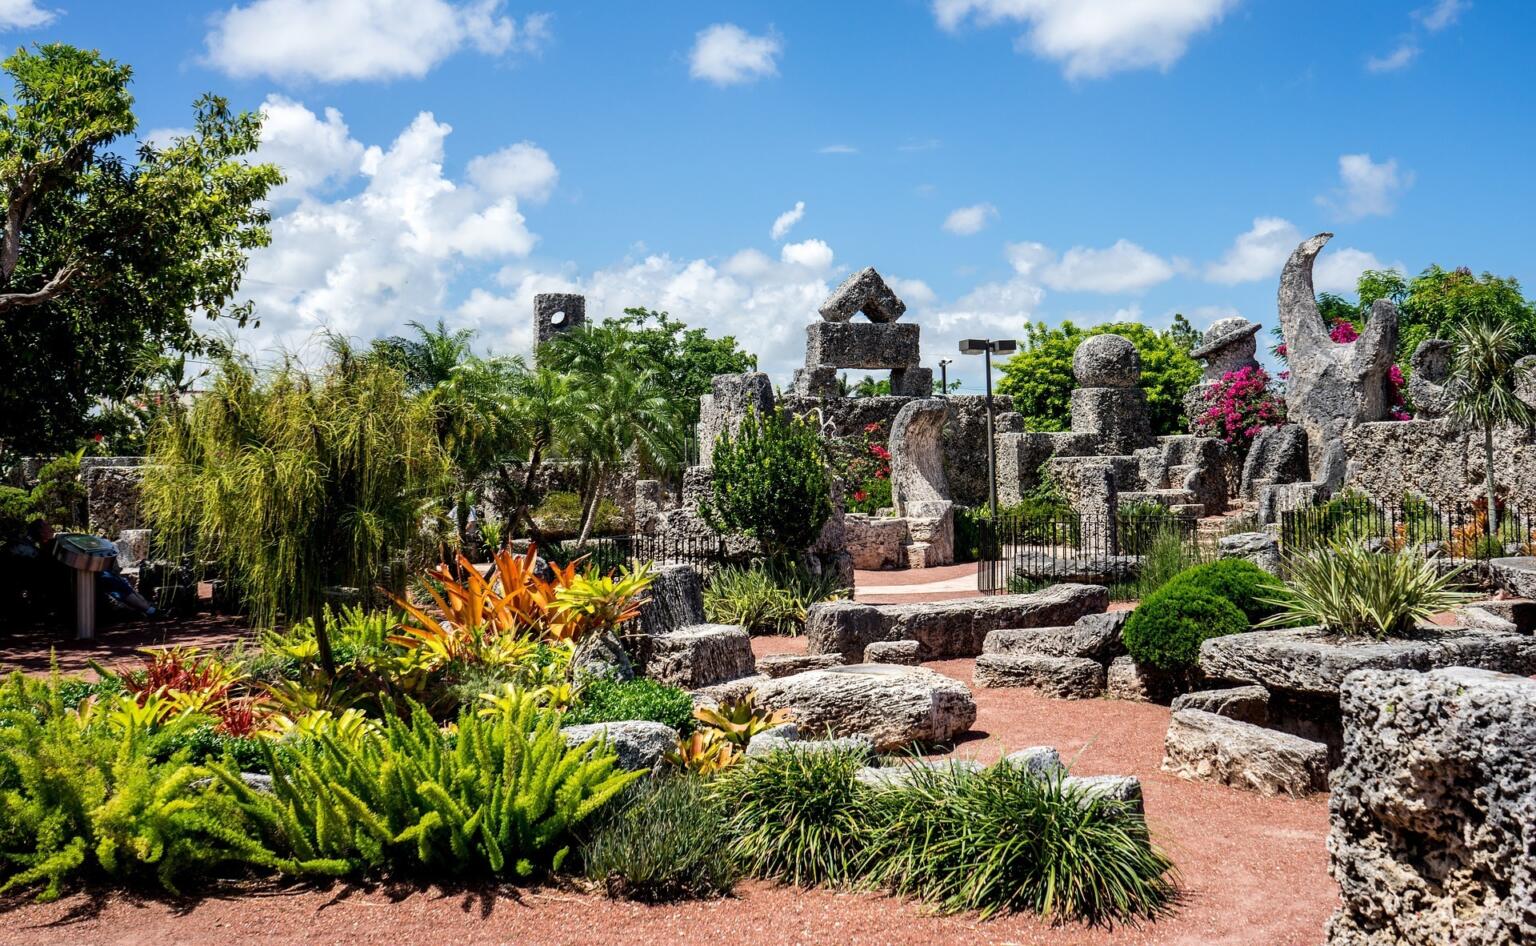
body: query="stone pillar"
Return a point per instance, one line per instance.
(723, 410)
(1107, 403)
(556, 312)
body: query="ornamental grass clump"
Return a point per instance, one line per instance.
(666, 841)
(1352, 591)
(1005, 839)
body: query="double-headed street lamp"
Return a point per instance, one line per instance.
(989, 347)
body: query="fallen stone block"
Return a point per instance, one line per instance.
(1068, 678)
(783, 665)
(1138, 682)
(1038, 760)
(699, 655)
(1125, 789)
(1207, 747)
(906, 653)
(890, 705)
(1095, 636)
(640, 744)
(1248, 704)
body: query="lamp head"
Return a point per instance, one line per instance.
(973, 346)
(1004, 346)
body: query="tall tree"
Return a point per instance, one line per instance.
(104, 257)
(1483, 388)
(688, 357)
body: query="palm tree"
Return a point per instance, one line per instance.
(1482, 388)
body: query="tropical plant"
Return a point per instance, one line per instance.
(502, 796)
(767, 598)
(737, 721)
(1482, 389)
(666, 841)
(1353, 591)
(1236, 408)
(863, 465)
(596, 603)
(687, 357)
(604, 700)
(1006, 839)
(1168, 627)
(292, 482)
(771, 482)
(798, 817)
(109, 245)
(704, 752)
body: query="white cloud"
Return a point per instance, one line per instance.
(347, 40)
(812, 254)
(24, 15)
(390, 250)
(965, 221)
(1120, 267)
(1094, 38)
(1366, 188)
(1339, 270)
(785, 221)
(1442, 14)
(1257, 254)
(726, 54)
(838, 149)
(1395, 60)
(524, 171)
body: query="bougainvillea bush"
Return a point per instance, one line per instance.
(1237, 407)
(864, 468)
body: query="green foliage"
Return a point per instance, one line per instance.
(798, 817)
(58, 498)
(603, 700)
(1169, 554)
(1350, 590)
(687, 357)
(502, 796)
(1140, 524)
(291, 482)
(560, 514)
(110, 246)
(1232, 579)
(1167, 628)
(667, 841)
(766, 598)
(771, 482)
(1004, 839)
(1483, 384)
(1040, 380)
(98, 793)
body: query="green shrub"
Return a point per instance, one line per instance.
(206, 744)
(798, 817)
(666, 842)
(500, 797)
(1237, 580)
(1167, 628)
(1348, 589)
(771, 482)
(1169, 555)
(560, 514)
(1140, 525)
(603, 700)
(1005, 839)
(766, 599)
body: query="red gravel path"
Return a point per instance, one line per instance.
(1254, 871)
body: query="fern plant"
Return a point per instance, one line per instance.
(501, 796)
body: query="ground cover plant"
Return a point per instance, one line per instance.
(1353, 591)
(1209, 600)
(767, 598)
(665, 840)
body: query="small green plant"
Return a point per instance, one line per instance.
(798, 817)
(560, 515)
(767, 599)
(771, 482)
(1005, 839)
(1350, 590)
(603, 700)
(666, 841)
(1167, 629)
(1169, 555)
(737, 721)
(1236, 580)
(1140, 525)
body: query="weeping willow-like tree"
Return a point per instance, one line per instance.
(291, 481)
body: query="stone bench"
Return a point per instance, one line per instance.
(675, 644)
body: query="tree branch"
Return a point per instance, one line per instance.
(50, 290)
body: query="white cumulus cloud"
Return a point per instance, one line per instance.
(786, 221)
(1260, 253)
(1397, 59)
(1366, 188)
(1094, 38)
(812, 254)
(726, 54)
(523, 170)
(350, 40)
(1441, 14)
(965, 221)
(1121, 267)
(24, 15)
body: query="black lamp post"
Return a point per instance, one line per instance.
(944, 376)
(988, 347)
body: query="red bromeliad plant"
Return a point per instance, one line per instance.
(865, 463)
(1237, 407)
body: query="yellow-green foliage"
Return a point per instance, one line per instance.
(83, 793)
(501, 795)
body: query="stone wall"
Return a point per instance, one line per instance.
(1434, 809)
(1438, 461)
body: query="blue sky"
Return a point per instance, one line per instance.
(1001, 160)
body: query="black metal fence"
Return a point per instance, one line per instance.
(1462, 532)
(609, 552)
(1023, 553)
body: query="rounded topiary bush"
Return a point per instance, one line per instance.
(1166, 629)
(1234, 579)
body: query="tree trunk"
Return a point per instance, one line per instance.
(1493, 509)
(590, 513)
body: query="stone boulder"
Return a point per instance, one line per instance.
(1204, 746)
(1067, 678)
(906, 653)
(640, 744)
(700, 655)
(783, 665)
(1433, 810)
(1095, 636)
(892, 706)
(1260, 548)
(1140, 683)
(945, 628)
(1517, 574)
(1309, 661)
(1248, 704)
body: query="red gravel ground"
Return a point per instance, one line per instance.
(1254, 873)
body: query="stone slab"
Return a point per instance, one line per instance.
(1204, 746)
(1068, 678)
(892, 706)
(862, 345)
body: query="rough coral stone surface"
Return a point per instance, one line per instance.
(907, 653)
(862, 345)
(1260, 548)
(1139, 683)
(1202, 745)
(1095, 636)
(783, 665)
(1068, 678)
(945, 628)
(1307, 660)
(1106, 361)
(892, 706)
(1248, 704)
(700, 655)
(875, 542)
(1434, 810)
(640, 744)
(865, 291)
